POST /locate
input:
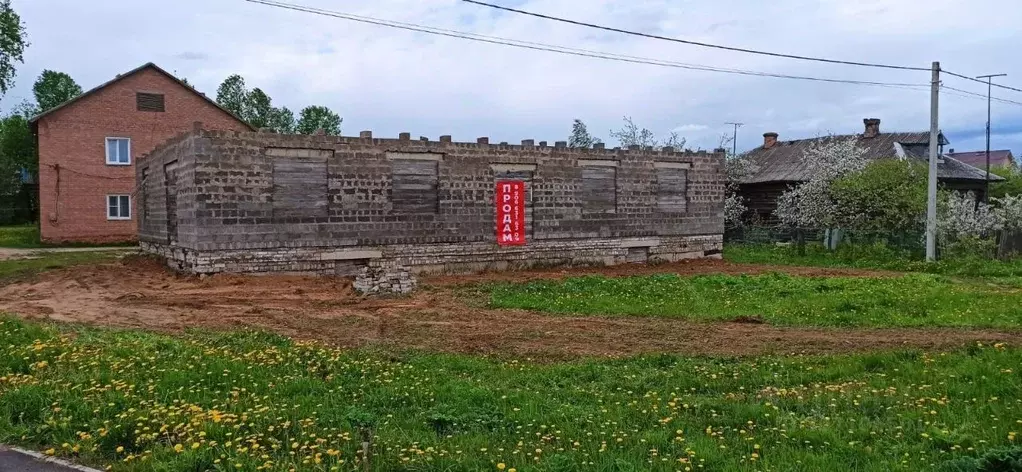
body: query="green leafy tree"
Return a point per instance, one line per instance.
(53, 88)
(283, 120)
(316, 117)
(233, 96)
(17, 148)
(1011, 185)
(886, 195)
(13, 41)
(258, 109)
(580, 137)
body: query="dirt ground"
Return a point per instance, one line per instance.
(139, 293)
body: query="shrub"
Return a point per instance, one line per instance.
(1012, 184)
(887, 195)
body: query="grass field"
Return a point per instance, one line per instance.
(251, 401)
(21, 237)
(870, 257)
(27, 237)
(908, 300)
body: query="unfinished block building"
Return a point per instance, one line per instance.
(385, 209)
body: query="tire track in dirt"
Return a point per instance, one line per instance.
(140, 293)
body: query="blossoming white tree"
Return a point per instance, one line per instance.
(735, 168)
(809, 204)
(962, 216)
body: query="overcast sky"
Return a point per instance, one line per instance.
(389, 80)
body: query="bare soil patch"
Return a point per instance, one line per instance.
(140, 293)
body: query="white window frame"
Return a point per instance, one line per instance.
(107, 149)
(118, 218)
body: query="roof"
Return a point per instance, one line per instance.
(998, 158)
(148, 65)
(782, 162)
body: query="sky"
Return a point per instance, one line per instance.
(390, 81)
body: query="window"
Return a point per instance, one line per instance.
(118, 151)
(300, 185)
(415, 182)
(118, 207)
(599, 186)
(672, 186)
(149, 101)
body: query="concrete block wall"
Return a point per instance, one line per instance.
(237, 208)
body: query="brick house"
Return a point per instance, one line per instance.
(88, 147)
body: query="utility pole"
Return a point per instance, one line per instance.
(931, 190)
(986, 185)
(734, 138)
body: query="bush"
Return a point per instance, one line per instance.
(998, 460)
(887, 195)
(1012, 185)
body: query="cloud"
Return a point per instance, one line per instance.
(689, 128)
(192, 56)
(390, 80)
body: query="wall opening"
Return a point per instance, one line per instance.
(672, 186)
(299, 187)
(415, 185)
(599, 186)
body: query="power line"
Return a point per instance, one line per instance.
(981, 81)
(562, 49)
(968, 94)
(696, 43)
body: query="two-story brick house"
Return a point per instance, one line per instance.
(88, 147)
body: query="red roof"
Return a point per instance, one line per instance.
(998, 158)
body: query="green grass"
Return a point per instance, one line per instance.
(13, 270)
(869, 257)
(26, 236)
(909, 300)
(239, 401)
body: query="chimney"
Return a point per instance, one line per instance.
(769, 140)
(872, 127)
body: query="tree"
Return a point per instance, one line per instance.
(17, 147)
(53, 88)
(13, 41)
(736, 168)
(283, 120)
(809, 204)
(316, 117)
(1011, 185)
(233, 96)
(580, 137)
(886, 195)
(258, 109)
(631, 135)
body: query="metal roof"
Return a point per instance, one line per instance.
(782, 162)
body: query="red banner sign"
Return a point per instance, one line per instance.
(510, 212)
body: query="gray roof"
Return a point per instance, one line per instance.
(782, 162)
